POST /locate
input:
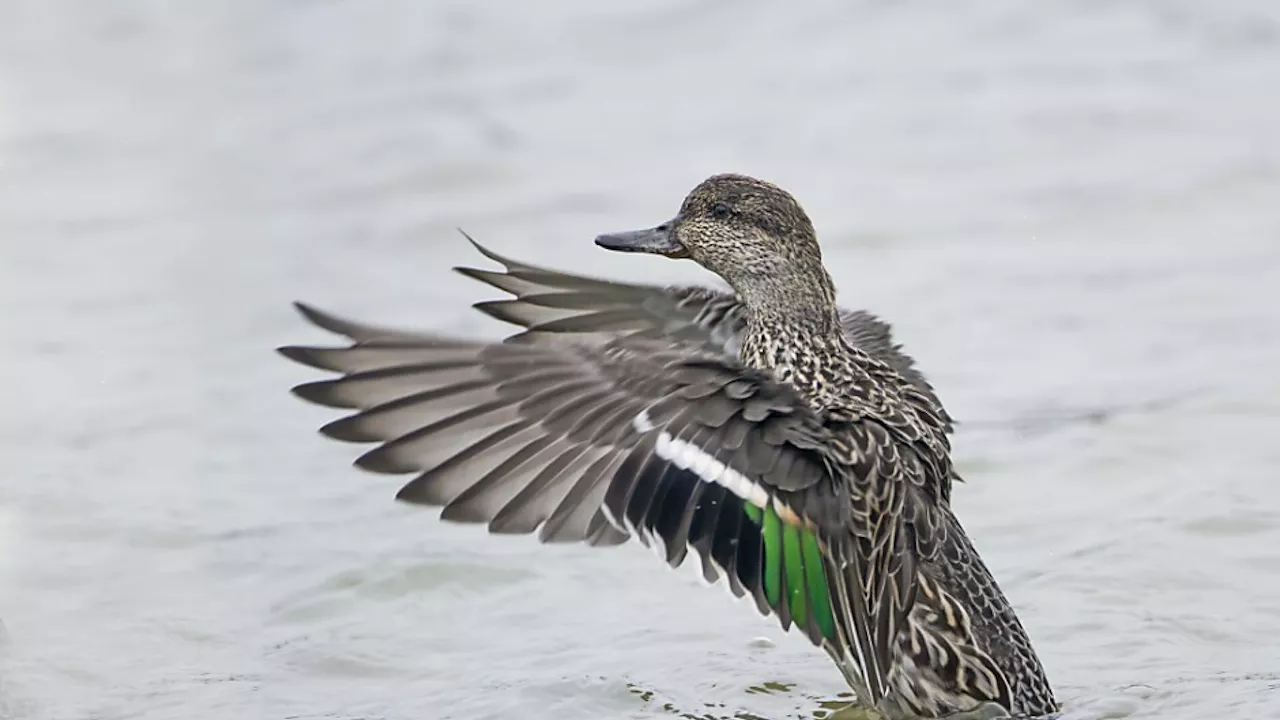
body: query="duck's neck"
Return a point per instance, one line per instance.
(793, 329)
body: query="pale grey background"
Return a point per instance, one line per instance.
(1071, 211)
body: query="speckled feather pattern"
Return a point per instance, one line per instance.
(787, 443)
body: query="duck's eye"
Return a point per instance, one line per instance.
(720, 210)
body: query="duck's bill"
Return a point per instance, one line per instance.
(658, 240)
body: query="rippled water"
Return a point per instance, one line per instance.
(1071, 211)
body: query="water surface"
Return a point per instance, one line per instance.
(1070, 210)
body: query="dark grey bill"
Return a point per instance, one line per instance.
(660, 240)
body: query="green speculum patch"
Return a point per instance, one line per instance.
(793, 564)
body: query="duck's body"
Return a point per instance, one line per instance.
(788, 443)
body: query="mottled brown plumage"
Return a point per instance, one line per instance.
(787, 443)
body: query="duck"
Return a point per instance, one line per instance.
(789, 444)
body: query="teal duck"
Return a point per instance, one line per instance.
(789, 444)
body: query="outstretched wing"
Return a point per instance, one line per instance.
(550, 302)
(685, 449)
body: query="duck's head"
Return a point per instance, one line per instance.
(750, 232)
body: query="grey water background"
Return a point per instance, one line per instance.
(1070, 210)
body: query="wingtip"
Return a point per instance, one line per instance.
(481, 249)
(383, 461)
(354, 330)
(306, 311)
(476, 244)
(419, 491)
(470, 272)
(507, 263)
(350, 430)
(320, 318)
(299, 354)
(498, 310)
(319, 392)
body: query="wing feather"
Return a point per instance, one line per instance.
(671, 442)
